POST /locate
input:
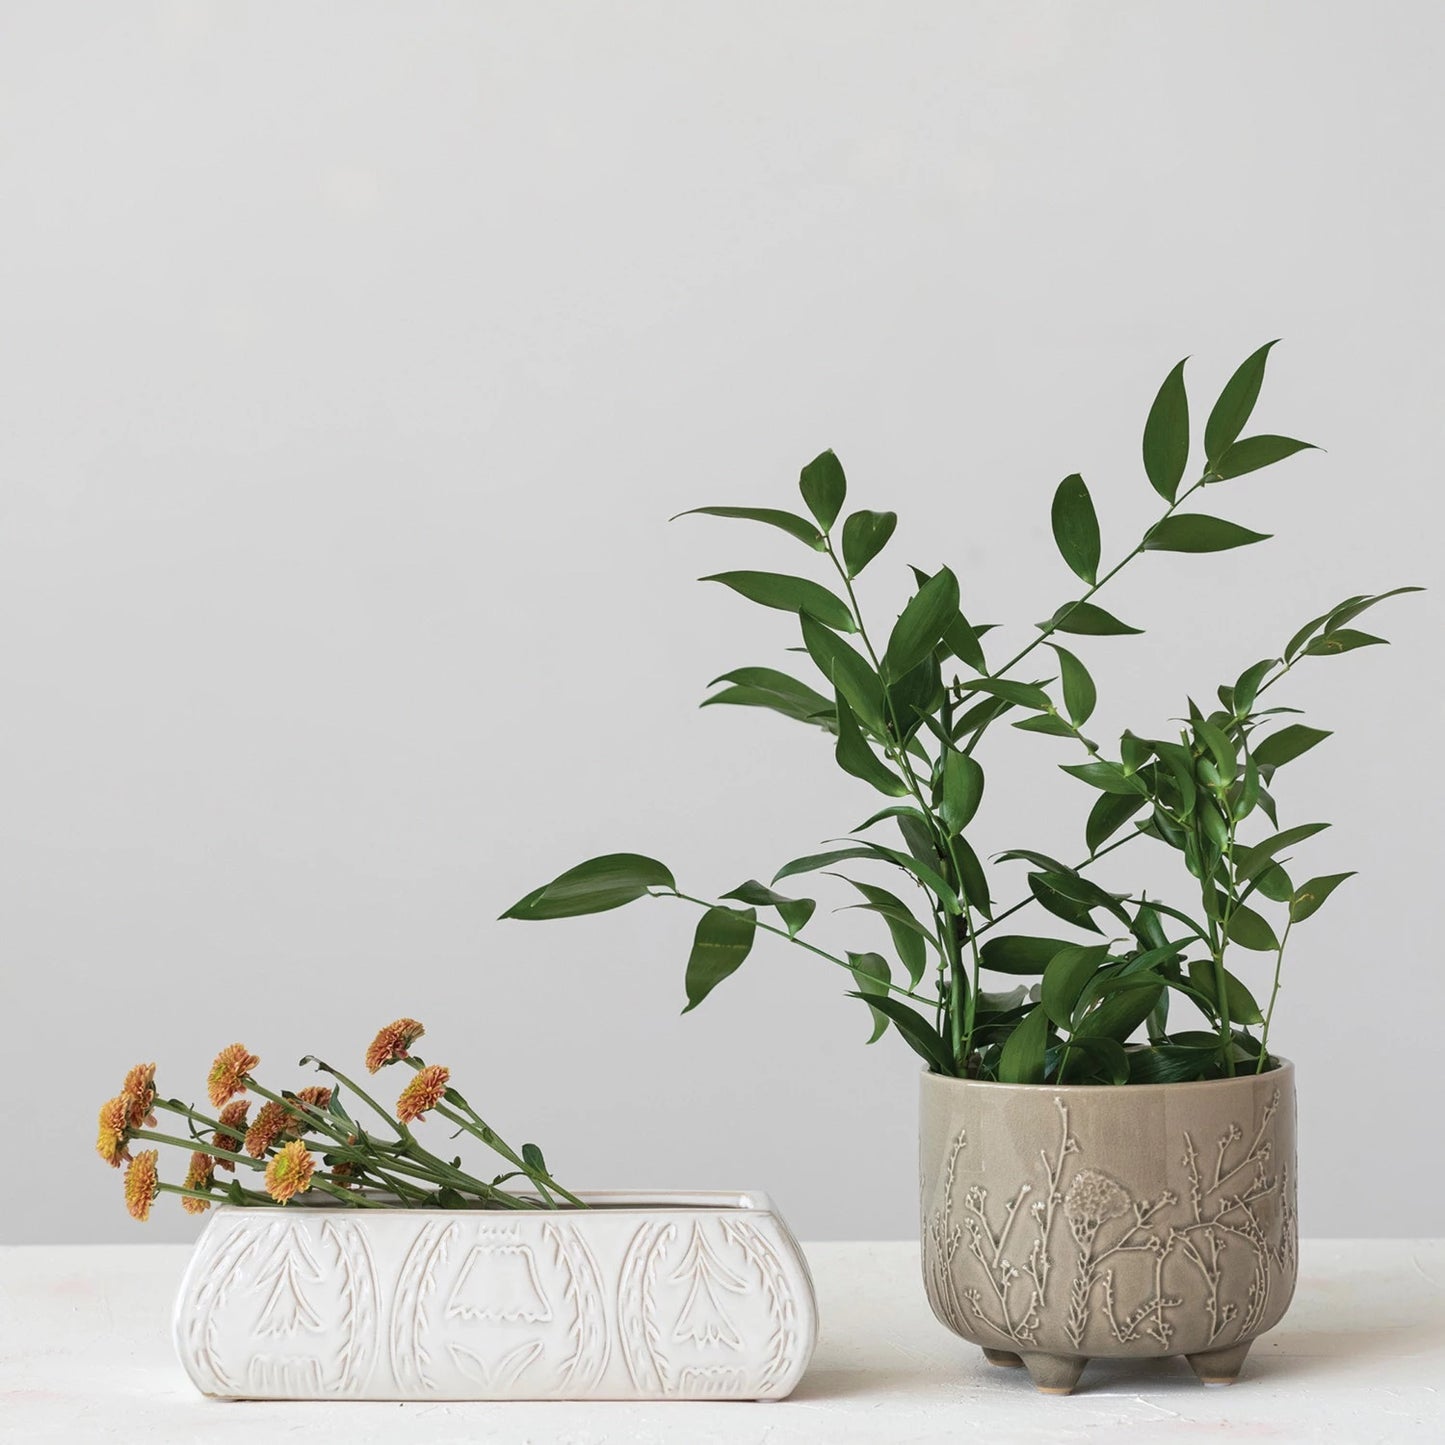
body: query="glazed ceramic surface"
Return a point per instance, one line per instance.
(666, 1296)
(1064, 1223)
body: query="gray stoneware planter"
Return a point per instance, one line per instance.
(1063, 1223)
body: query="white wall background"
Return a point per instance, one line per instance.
(352, 359)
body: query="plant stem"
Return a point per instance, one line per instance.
(1274, 994)
(1051, 627)
(960, 1038)
(801, 943)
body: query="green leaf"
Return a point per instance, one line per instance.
(1087, 620)
(1080, 694)
(1065, 976)
(1309, 897)
(1242, 1006)
(794, 912)
(1287, 744)
(1249, 454)
(1196, 532)
(1019, 953)
(1166, 436)
(865, 534)
(1123, 1010)
(767, 687)
(1221, 748)
(1236, 402)
(812, 862)
(1249, 930)
(907, 933)
(1246, 689)
(823, 487)
(929, 613)
(1076, 528)
(848, 672)
(532, 1158)
(872, 972)
(1342, 639)
(789, 522)
(1023, 693)
(962, 789)
(922, 1037)
(1109, 777)
(1103, 1060)
(1022, 1060)
(1109, 813)
(723, 939)
(1048, 723)
(789, 594)
(1275, 884)
(1173, 1063)
(962, 641)
(594, 887)
(971, 875)
(1251, 861)
(856, 757)
(1349, 610)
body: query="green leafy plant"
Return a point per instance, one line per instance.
(909, 714)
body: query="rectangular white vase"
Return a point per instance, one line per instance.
(639, 1297)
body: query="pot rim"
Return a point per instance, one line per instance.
(605, 1204)
(1283, 1068)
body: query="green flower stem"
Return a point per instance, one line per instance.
(540, 1177)
(256, 1196)
(801, 943)
(395, 1125)
(1273, 995)
(151, 1136)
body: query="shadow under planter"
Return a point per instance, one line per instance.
(1066, 1223)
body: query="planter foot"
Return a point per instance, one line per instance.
(1218, 1367)
(1054, 1374)
(1006, 1358)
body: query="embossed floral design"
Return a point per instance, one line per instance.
(1092, 1200)
(981, 1272)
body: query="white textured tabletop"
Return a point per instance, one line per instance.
(85, 1355)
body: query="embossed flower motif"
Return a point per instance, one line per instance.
(289, 1173)
(114, 1125)
(272, 1122)
(233, 1120)
(392, 1042)
(1091, 1201)
(228, 1073)
(139, 1092)
(424, 1092)
(201, 1175)
(142, 1184)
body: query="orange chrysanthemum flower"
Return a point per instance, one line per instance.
(392, 1043)
(142, 1184)
(228, 1073)
(139, 1091)
(201, 1175)
(272, 1122)
(424, 1092)
(233, 1119)
(317, 1095)
(113, 1131)
(289, 1173)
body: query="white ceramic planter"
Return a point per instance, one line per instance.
(641, 1297)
